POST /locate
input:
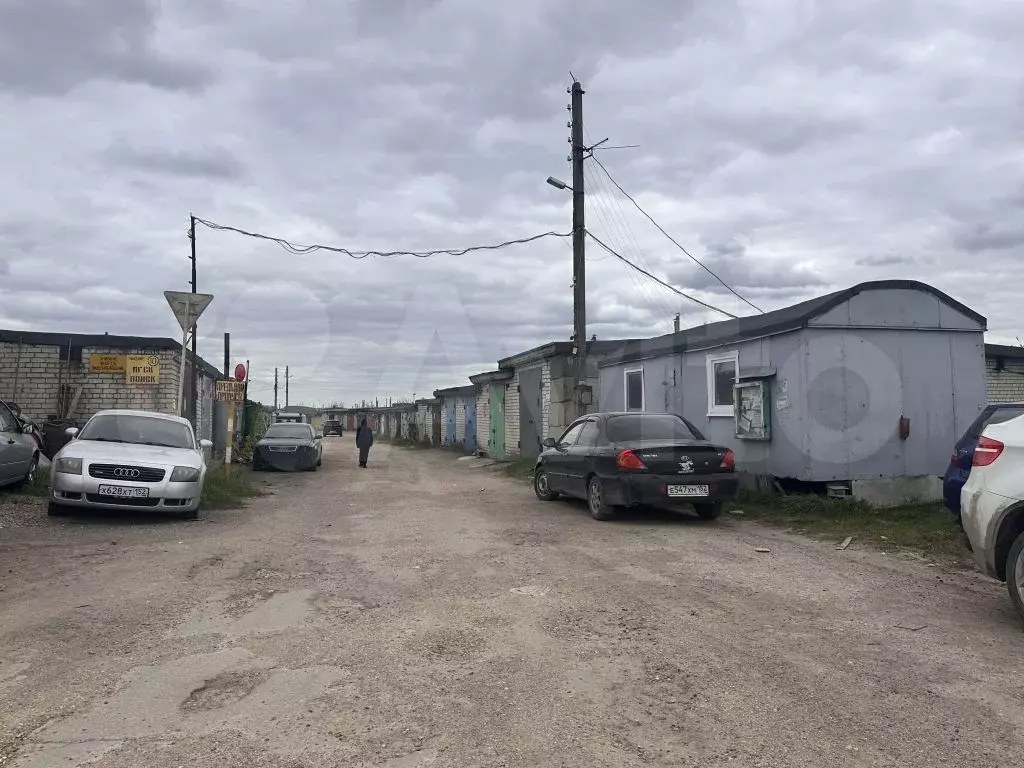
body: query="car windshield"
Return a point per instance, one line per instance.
(290, 431)
(138, 430)
(649, 426)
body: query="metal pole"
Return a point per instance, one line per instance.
(180, 405)
(227, 355)
(195, 354)
(579, 233)
(287, 376)
(275, 390)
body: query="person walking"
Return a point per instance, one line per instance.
(364, 439)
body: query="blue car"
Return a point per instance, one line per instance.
(963, 453)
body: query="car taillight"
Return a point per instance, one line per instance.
(729, 460)
(629, 460)
(988, 450)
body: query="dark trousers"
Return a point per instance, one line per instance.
(364, 454)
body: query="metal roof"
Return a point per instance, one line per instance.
(770, 323)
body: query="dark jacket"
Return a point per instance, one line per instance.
(364, 437)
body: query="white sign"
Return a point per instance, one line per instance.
(187, 307)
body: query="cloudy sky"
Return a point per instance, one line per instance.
(794, 146)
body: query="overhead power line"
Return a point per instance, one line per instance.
(658, 280)
(304, 249)
(675, 242)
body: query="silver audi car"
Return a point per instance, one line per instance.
(130, 460)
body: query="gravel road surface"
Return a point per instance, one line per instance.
(428, 612)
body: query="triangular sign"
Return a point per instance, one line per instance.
(187, 307)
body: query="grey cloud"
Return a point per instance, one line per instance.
(52, 46)
(180, 161)
(795, 148)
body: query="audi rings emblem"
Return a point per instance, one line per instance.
(126, 472)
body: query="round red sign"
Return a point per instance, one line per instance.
(240, 372)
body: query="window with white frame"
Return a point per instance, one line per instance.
(634, 388)
(723, 373)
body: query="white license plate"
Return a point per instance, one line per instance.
(678, 491)
(123, 491)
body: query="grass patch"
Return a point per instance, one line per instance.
(520, 469)
(925, 528)
(224, 489)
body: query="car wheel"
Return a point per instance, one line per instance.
(193, 515)
(320, 461)
(599, 508)
(1015, 574)
(30, 477)
(542, 485)
(53, 509)
(708, 511)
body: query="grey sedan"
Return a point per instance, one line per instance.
(19, 452)
(130, 459)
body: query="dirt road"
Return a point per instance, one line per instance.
(425, 613)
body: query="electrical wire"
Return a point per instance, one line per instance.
(658, 280)
(304, 249)
(621, 224)
(675, 242)
(652, 296)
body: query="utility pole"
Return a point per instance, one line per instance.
(579, 234)
(275, 390)
(227, 355)
(195, 329)
(287, 376)
(675, 324)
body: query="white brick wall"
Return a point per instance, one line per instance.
(1006, 385)
(483, 417)
(512, 407)
(460, 420)
(32, 380)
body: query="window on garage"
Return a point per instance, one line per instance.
(722, 371)
(635, 390)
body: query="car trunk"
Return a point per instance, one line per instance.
(677, 457)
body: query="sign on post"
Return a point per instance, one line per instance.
(142, 369)
(102, 363)
(187, 307)
(229, 391)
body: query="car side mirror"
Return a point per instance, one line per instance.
(71, 431)
(27, 429)
(550, 442)
(319, 435)
(206, 444)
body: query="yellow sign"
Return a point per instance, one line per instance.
(142, 369)
(106, 363)
(230, 391)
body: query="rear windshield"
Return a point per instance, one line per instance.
(290, 431)
(994, 415)
(650, 426)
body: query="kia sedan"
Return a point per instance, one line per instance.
(130, 459)
(619, 460)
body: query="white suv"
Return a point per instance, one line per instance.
(992, 505)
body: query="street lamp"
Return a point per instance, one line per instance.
(558, 183)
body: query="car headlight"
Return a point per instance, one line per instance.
(184, 475)
(69, 466)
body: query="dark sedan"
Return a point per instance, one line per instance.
(618, 460)
(333, 428)
(289, 448)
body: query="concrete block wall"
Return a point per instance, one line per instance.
(1004, 386)
(32, 377)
